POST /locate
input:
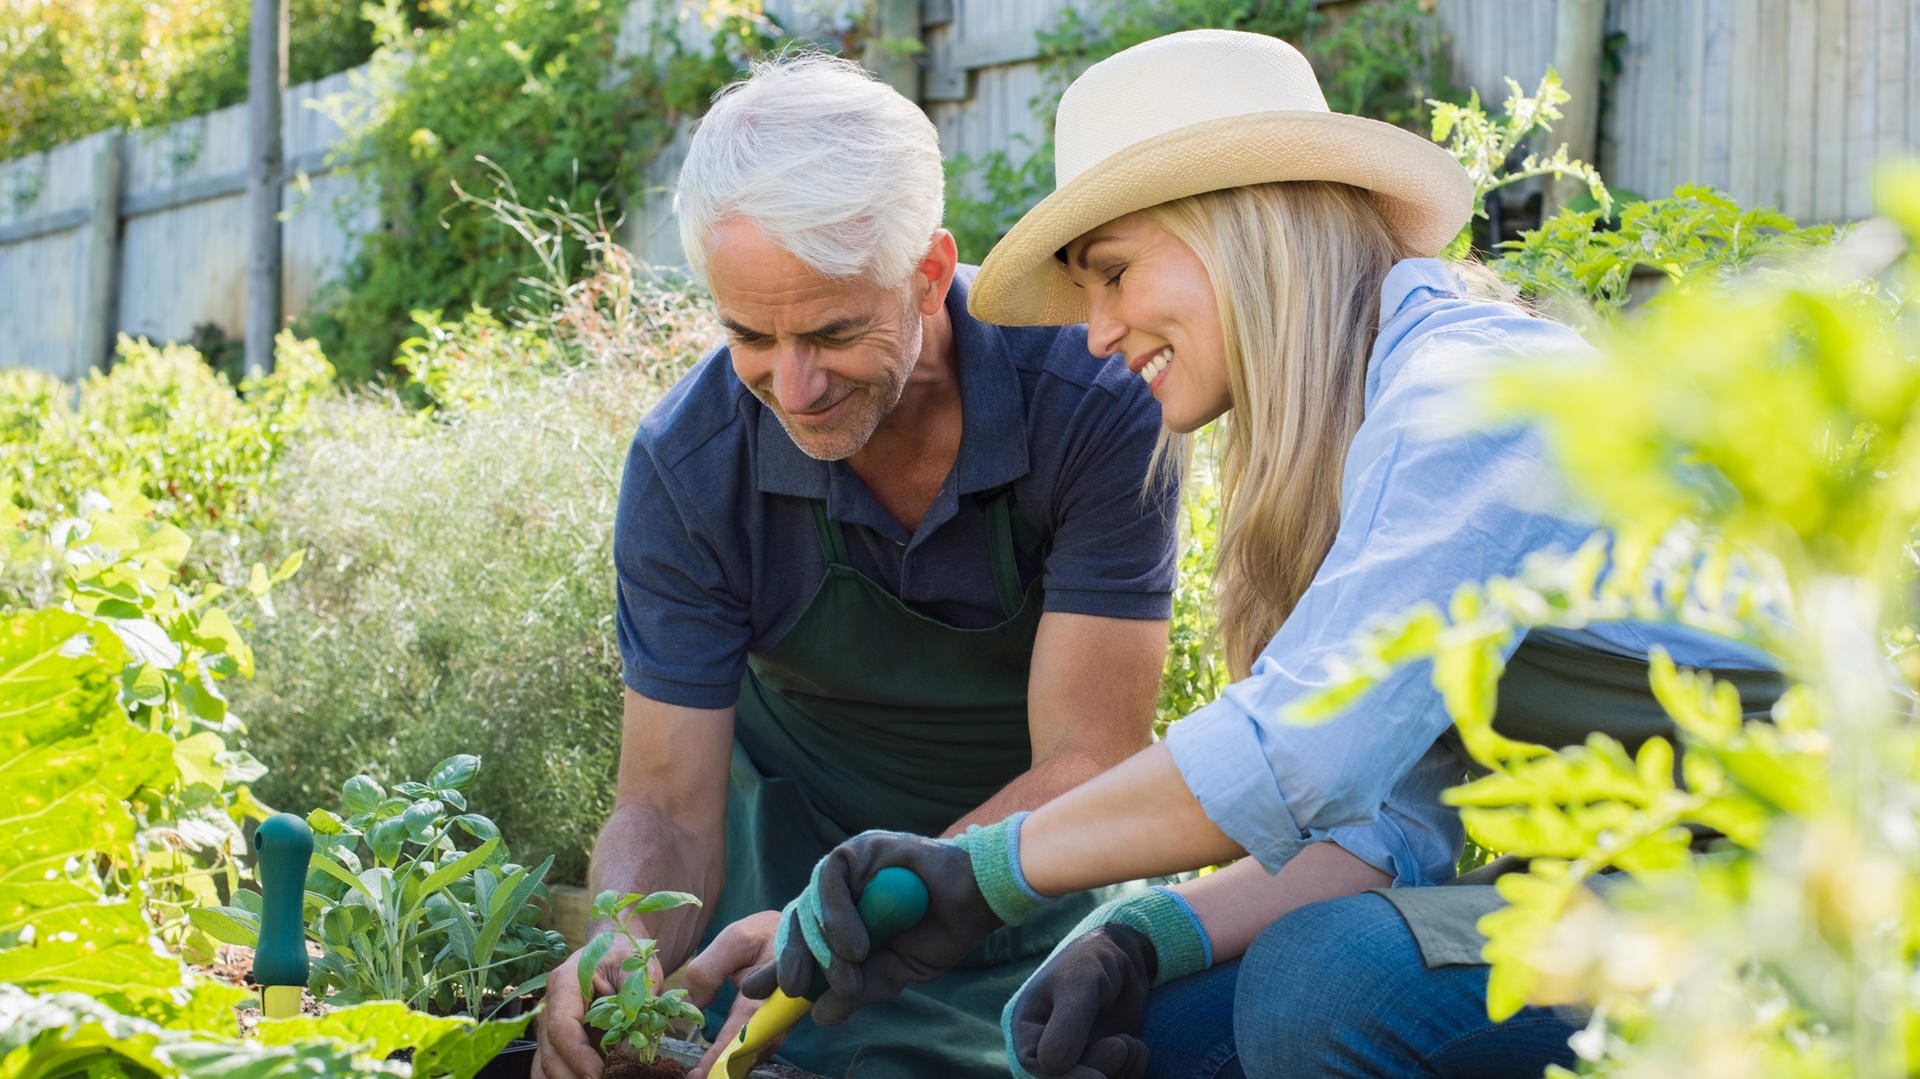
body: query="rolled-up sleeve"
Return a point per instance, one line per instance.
(1422, 511)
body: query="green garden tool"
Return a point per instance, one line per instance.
(895, 899)
(283, 844)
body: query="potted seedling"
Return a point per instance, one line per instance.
(635, 1019)
(410, 897)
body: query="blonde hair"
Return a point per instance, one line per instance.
(1296, 270)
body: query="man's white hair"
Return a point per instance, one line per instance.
(825, 160)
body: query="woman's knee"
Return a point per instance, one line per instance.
(1320, 988)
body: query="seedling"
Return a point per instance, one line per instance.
(634, 1015)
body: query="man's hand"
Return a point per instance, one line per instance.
(743, 946)
(566, 1052)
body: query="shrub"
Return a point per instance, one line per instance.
(531, 85)
(79, 66)
(459, 593)
(159, 419)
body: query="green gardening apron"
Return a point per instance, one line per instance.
(867, 714)
(1553, 694)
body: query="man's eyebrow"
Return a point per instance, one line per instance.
(839, 327)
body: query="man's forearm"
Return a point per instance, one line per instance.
(643, 849)
(1034, 787)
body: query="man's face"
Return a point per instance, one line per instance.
(829, 356)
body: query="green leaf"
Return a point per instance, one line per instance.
(325, 822)
(290, 566)
(455, 772)
(461, 1052)
(590, 957)
(147, 642)
(228, 925)
(460, 867)
(361, 794)
(658, 901)
(420, 818)
(257, 582)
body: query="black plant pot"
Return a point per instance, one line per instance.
(513, 1062)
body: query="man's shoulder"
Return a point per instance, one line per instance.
(706, 411)
(1054, 368)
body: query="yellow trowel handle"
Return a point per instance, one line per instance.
(772, 1020)
(893, 901)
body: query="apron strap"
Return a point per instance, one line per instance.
(1000, 544)
(833, 542)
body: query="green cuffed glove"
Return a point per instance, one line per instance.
(974, 886)
(1079, 1016)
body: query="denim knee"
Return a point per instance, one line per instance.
(1339, 988)
(1315, 984)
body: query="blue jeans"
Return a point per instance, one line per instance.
(1339, 989)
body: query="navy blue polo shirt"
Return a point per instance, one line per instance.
(718, 553)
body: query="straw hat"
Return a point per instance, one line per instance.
(1201, 111)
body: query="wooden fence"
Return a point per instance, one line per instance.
(1782, 102)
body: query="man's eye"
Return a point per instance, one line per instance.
(1114, 277)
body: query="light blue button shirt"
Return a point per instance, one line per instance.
(1428, 500)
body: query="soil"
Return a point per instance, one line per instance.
(623, 1064)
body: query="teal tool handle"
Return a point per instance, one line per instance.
(895, 899)
(283, 844)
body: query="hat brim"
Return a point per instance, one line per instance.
(1424, 194)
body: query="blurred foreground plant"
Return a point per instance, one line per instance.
(1754, 449)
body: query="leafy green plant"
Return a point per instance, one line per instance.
(402, 912)
(1583, 270)
(1487, 146)
(634, 1017)
(170, 647)
(202, 450)
(88, 771)
(1196, 671)
(1751, 445)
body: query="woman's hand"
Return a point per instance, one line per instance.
(821, 931)
(1079, 1016)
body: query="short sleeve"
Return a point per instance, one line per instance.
(1115, 533)
(683, 630)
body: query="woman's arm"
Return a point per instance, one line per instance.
(1135, 820)
(1237, 903)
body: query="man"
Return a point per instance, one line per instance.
(880, 565)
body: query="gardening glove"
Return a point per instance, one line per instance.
(1079, 1015)
(974, 886)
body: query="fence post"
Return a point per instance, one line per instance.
(100, 303)
(1579, 40)
(266, 161)
(894, 56)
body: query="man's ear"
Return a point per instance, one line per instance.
(934, 275)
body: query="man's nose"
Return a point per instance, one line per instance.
(799, 382)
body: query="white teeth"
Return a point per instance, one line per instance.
(1153, 368)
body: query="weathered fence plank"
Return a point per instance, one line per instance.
(1783, 102)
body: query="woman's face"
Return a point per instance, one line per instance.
(1150, 300)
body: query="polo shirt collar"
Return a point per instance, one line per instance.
(993, 424)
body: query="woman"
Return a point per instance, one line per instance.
(1243, 248)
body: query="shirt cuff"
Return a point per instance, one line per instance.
(1220, 756)
(685, 694)
(1088, 601)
